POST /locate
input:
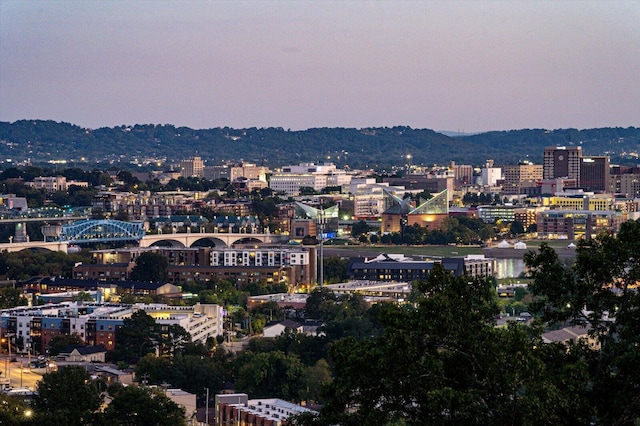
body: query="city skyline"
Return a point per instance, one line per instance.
(451, 66)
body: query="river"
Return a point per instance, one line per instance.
(509, 268)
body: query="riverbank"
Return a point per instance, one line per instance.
(444, 251)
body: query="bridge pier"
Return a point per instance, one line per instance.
(20, 234)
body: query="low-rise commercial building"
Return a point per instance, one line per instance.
(290, 179)
(575, 224)
(397, 267)
(490, 213)
(237, 409)
(51, 184)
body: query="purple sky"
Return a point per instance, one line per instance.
(444, 65)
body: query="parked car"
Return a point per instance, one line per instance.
(524, 317)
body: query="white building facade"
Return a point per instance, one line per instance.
(291, 178)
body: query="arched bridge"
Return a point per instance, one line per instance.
(35, 245)
(216, 239)
(101, 231)
(105, 231)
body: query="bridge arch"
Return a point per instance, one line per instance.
(209, 242)
(247, 239)
(32, 249)
(168, 242)
(219, 239)
(97, 231)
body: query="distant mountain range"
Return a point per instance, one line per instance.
(379, 148)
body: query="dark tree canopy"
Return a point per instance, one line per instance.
(138, 336)
(67, 396)
(11, 297)
(599, 291)
(150, 267)
(335, 269)
(58, 343)
(443, 361)
(143, 406)
(359, 228)
(370, 147)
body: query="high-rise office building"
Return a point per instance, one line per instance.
(517, 177)
(463, 173)
(193, 167)
(490, 174)
(594, 173)
(562, 161)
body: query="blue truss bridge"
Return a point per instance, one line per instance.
(101, 231)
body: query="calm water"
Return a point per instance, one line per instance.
(509, 268)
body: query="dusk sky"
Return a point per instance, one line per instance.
(445, 65)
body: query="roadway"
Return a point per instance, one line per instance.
(20, 376)
(42, 219)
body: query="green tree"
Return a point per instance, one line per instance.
(79, 197)
(315, 378)
(335, 269)
(82, 296)
(67, 396)
(598, 290)
(270, 374)
(15, 411)
(359, 228)
(11, 297)
(25, 264)
(516, 228)
(138, 336)
(271, 310)
(143, 406)
(445, 362)
(151, 369)
(150, 267)
(320, 303)
(173, 338)
(194, 373)
(58, 343)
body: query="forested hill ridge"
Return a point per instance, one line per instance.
(40, 140)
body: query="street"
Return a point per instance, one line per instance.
(20, 377)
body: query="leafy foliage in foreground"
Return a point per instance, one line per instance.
(442, 361)
(600, 290)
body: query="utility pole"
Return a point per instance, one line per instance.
(321, 224)
(206, 411)
(9, 336)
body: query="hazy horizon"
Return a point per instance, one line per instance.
(466, 67)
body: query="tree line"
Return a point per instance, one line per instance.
(380, 147)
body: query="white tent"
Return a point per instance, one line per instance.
(520, 246)
(504, 244)
(571, 246)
